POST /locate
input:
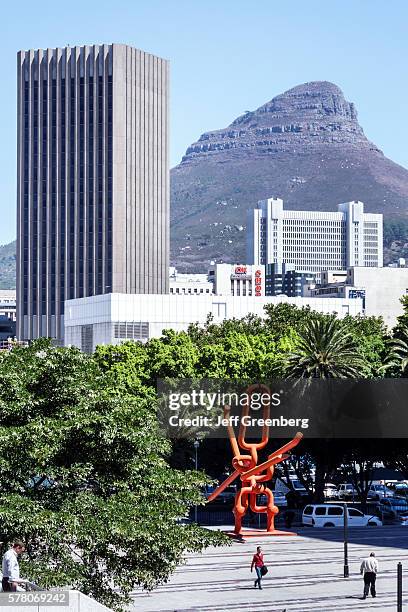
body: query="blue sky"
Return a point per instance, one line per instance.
(227, 56)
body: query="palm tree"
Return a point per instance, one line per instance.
(324, 349)
(397, 358)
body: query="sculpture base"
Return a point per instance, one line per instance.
(258, 533)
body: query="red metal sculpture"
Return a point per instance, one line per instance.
(252, 475)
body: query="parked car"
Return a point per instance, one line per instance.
(347, 491)
(392, 508)
(331, 515)
(393, 484)
(378, 491)
(278, 498)
(401, 489)
(281, 486)
(298, 487)
(331, 491)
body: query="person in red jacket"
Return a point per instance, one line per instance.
(258, 563)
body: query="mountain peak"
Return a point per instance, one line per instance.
(303, 103)
(305, 146)
(307, 116)
(313, 87)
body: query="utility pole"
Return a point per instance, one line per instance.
(196, 445)
(399, 587)
(345, 526)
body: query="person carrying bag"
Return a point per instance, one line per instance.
(260, 567)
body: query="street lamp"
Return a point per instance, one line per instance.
(196, 445)
(345, 525)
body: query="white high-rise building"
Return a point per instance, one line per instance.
(313, 240)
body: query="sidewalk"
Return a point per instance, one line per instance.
(305, 574)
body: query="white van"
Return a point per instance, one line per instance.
(331, 515)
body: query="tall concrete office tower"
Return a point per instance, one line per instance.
(93, 179)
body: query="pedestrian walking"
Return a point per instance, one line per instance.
(369, 570)
(260, 567)
(10, 567)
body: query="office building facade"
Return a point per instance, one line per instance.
(284, 279)
(312, 240)
(93, 180)
(239, 280)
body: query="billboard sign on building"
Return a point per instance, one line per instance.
(258, 283)
(357, 293)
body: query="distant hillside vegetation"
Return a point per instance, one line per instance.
(395, 239)
(8, 266)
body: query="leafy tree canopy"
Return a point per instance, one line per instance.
(85, 481)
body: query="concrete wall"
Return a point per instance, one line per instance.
(141, 198)
(384, 287)
(98, 315)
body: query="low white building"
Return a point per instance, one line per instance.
(113, 318)
(381, 290)
(333, 276)
(221, 279)
(8, 303)
(189, 284)
(238, 279)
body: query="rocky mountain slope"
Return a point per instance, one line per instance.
(305, 146)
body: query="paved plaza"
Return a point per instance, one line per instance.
(305, 573)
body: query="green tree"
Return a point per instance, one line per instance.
(174, 355)
(396, 361)
(250, 325)
(371, 337)
(85, 480)
(357, 466)
(395, 229)
(237, 355)
(281, 319)
(324, 349)
(402, 320)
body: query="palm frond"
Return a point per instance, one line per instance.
(325, 349)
